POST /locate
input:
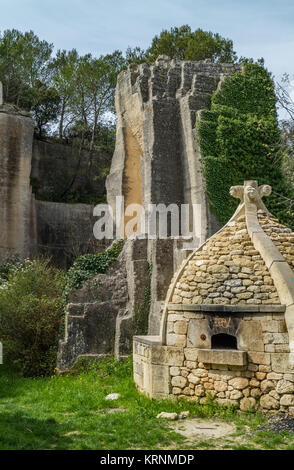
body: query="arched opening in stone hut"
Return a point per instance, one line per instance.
(223, 341)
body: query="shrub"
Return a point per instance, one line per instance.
(86, 266)
(31, 312)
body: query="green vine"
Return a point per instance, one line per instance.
(240, 139)
(86, 266)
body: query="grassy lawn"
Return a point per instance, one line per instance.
(70, 412)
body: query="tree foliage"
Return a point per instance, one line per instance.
(31, 314)
(184, 44)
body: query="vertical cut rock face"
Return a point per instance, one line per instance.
(18, 232)
(156, 159)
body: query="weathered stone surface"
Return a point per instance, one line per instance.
(248, 404)
(196, 329)
(283, 386)
(217, 356)
(106, 324)
(165, 415)
(239, 383)
(147, 97)
(220, 386)
(17, 212)
(193, 379)
(267, 385)
(179, 381)
(269, 403)
(287, 400)
(250, 336)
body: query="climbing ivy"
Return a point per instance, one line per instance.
(86, 266)
(239, 140)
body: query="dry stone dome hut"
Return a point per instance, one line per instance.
(228, 321)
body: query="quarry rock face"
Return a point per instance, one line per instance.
(156, 159)
(100, 315)
(17, 213)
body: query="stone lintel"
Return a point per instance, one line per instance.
(227, 308)
(222, 356)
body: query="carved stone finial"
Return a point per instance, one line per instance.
(265, 190)
(251, 193)
(237, 192)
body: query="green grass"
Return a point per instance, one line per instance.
(70, 412)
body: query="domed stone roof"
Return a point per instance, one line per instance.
(229, 270)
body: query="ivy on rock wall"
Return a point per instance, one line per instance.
(239, 140)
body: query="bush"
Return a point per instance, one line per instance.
(86, 266)
(31, 312)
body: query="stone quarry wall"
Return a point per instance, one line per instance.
(65, 231)
(61, 174)
(156, 158)
(17, 214)
(30, 227)
(99, 320)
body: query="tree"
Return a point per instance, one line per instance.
(183, 44)
(64, 79)
(135, 55)
(284, 92)
(93, 96)
(24, 61)
(45, 107)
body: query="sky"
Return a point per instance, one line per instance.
(258, 28)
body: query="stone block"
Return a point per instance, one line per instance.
(284, 386)
(222, 356)
(193, 379)
(174, 356)
(276, 338)
(239, 383)
(267, 385)
(179, 381)
(250, 337)
(197, 328)
(248, 404)
(269, 403)
(176, 340)
(160, 380)
(174, 371)
(287, 400)
(259, 358)
(180, 327)
(280, 363)
(191, 354)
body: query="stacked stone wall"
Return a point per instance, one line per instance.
(264, 382)
(229, 271)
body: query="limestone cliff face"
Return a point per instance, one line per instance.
(156, 159)
(17, 213)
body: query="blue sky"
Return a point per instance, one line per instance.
(258, 28)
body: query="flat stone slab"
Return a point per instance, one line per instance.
(203, 428)
(222, 356)
(148, 339)
(227, 308)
